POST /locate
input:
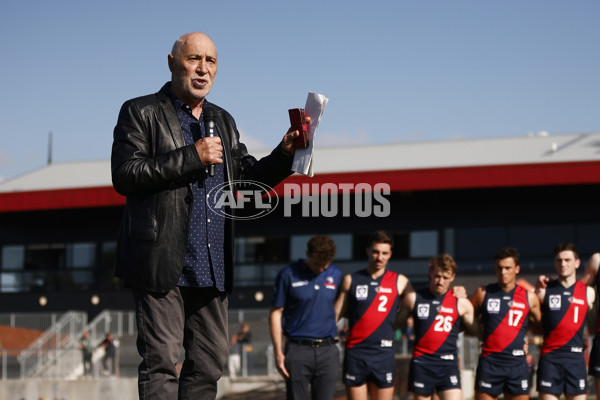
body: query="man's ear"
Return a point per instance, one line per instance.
(170, 61)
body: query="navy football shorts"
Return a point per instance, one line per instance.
(558, 375)
(427, 375)
(379, 370)
(495, 376)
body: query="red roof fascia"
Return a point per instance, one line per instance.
(567, 173)
(104, 196)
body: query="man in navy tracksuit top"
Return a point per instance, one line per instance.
(565, 303)
(303, 311)
(370, 299)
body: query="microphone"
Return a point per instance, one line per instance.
(209, 123)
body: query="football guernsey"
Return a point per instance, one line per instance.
(437, 324)
(504, 316)
(372, 306)
(594, 368)
(564, 311)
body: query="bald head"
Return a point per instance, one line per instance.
(193, 65)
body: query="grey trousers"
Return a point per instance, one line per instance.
(317, 367)
(192, 318)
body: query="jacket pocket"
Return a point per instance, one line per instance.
(143, 223)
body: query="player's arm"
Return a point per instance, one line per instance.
(477, 302)
(277, 338)
(592, 315)
(340, 302)
(591, 270)
(535, 312)
(540, 287)
(403, 285)
(467, 314)
(408, 304)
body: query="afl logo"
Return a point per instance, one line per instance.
(242, 200)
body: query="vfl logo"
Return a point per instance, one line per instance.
(423, 311)
(554, 302)
(242, 200)
(493, 306)
(362, 292)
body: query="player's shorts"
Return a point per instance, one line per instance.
(558, 375)
(379, 370)
(495, 376)
(594, 368)
(426, 375)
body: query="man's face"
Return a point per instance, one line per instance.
(379, 254)
(506, 271)
(566, 263)
(193, 68)
(440, 280)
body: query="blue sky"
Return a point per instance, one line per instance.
(394, 71)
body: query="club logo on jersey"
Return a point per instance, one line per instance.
(329, 284)
(362, 292)
(554, 302)
(493, 306)
(423, 311)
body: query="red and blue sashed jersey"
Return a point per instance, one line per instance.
(437, 324)
(564, 311)
(372, 308)
(504, 316)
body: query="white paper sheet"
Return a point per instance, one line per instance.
(303, 158)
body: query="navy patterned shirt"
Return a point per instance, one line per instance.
(204, 258)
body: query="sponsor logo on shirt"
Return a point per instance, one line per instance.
(387, 343)
(362, 292)
(576, 349)
(423, 311)
(518, 353)
(577, 301)
(554, 302)
(447, 357)
(384, 290)
(517, 305)
(446, 310)
(299, 283)
(493, 306)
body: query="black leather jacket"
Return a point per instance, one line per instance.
(152, 166)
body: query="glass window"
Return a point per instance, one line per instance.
(81, 255)
(13, 257)
(540, 240)
(479, 242)
(298, 246)
(423, 244)
(261, 249)
(343, 246)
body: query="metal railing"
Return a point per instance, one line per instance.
(44, 357)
